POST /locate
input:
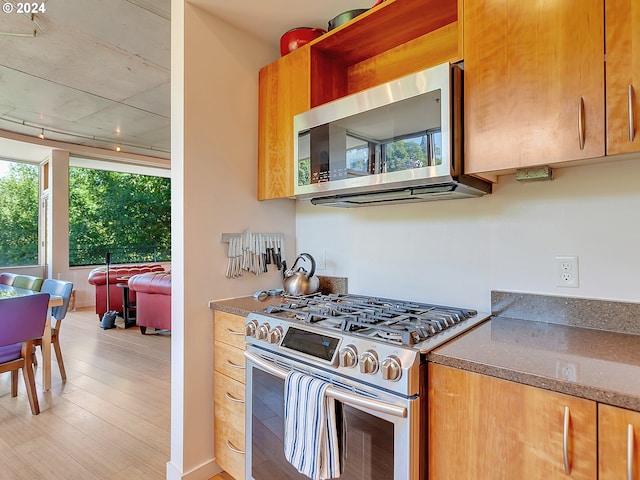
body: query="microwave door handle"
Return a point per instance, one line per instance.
(346, 397)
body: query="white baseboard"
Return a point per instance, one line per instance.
(203, 471)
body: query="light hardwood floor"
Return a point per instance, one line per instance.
(110, 420)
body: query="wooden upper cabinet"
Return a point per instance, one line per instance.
(506, 430)
(283, 92)
(618, 443)
(534, 82)
(623, 75)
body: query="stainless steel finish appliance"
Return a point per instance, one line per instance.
(397, 142)
(371, 351)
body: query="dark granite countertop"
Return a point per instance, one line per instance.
(595, 364)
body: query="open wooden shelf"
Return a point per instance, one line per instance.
(393, 39)
(390, 24)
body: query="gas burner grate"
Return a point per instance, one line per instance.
(307, 313)
(405, 331)
(396, 321)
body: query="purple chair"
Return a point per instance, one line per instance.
(22, 319)
(7, 278)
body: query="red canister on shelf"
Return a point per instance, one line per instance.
(296, 37)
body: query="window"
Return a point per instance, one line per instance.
(126, 214)
(18, 214)
(414, 151)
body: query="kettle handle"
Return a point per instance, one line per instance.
(292, 270)
(313, 263)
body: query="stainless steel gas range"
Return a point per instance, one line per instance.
(371, 351)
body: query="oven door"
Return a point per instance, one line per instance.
(382, 430)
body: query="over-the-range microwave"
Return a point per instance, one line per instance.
(398, 142)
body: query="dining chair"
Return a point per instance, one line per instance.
(63, 289)
(28, 281)
(7, 278)
(22, 319)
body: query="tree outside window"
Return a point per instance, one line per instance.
(18, 214)
(128, 215)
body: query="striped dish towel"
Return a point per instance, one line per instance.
(313, 430)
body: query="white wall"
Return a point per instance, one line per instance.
(456, 252)
(214, 189)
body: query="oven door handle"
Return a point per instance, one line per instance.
(346, 397)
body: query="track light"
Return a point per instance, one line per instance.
(108, 142)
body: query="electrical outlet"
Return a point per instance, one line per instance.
(321, 261)
(567, 273)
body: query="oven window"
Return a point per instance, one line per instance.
(369, 439)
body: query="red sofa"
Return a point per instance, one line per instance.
(153, 300)
(98, 278)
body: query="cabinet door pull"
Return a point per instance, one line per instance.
(232, 398)
(565, 441)
(231, 447)
(233, 332)
(233, 365)
(629, 452)
(581, 126)
(632, 129)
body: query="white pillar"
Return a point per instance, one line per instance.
(191, 323)
(57, 216)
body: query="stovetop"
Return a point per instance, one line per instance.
(415, 325)
(377, 341)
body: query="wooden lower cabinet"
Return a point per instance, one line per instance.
(482, 427)
(229, 426)
(618, 443)
(229, 393)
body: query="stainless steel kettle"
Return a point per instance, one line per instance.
(299, 282)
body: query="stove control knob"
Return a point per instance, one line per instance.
(348, 356)
(250, 328)
(262, 332)
(275, 335)
(369, 362)
(391, 368)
